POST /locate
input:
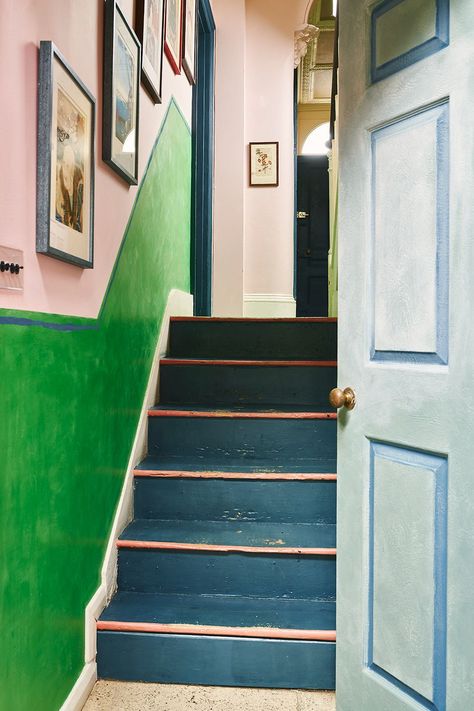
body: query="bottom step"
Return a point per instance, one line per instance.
(215, 661)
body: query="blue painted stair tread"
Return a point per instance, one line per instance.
(233, 533)
(222, 611)
(254, 339)
(254, 386)
(216, 661)
(259, 408)
(238, 463)
(235, 500)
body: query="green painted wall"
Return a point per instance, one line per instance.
(70, 403)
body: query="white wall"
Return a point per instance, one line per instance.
(253, 239)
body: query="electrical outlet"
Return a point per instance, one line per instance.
(11, 269)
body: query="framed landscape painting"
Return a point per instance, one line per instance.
(65, 168)
(173, 33)
(150, 18)
(122, 67)
(264, 168)
(189, 39)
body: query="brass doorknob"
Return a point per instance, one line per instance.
(342, 398)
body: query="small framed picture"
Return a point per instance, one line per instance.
(122, 57)
(173, 33)
(263, 162)
(65, 168)
(189, 39)
(150, 18)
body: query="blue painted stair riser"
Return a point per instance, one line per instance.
(235, 500)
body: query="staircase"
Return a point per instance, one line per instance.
(226, 575)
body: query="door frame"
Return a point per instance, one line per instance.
(203, 162)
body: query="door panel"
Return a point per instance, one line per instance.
(405, 503)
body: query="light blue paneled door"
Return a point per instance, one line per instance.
(405, 625)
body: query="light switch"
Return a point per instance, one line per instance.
(11, 269)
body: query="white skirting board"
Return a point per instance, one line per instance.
(269, 306)
(179, 304)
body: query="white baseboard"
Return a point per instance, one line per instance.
(179, 304)
(269, 306)
(82, 688)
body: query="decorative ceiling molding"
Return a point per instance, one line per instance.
(304, 34)
(309, 70)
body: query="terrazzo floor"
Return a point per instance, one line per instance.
(125, 696)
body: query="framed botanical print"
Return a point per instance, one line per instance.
(150, 19)
(122, 57)
(65, 168)
(189, 39)
(263, 163)
(173, 35)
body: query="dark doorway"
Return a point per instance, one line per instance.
(312, 236)
(203, 162)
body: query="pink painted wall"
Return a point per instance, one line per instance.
(269, 219)
(76, 27)
(254, 102)
(230, 164)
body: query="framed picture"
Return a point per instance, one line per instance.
(263, 162)
(173, 35)
(150, 17)
(65, 168)
(122, 56)
(189, 39)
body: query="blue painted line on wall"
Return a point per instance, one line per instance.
(417, 53)
(15, 321)
(438, 464)
(438, 112)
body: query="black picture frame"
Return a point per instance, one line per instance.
(61, 221)
(116, 25)
(274, 179)
(190, 19)
(152, 77)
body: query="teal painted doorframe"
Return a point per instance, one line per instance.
(203, 163)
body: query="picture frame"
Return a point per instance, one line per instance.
(174, 33)
(121, 94)
(264, 168)
(65, 161)
(190, 16)
(150, 27)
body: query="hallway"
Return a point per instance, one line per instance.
(120, 696)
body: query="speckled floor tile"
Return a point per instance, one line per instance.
(316, 701)
(123, 696)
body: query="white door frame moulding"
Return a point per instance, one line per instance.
(179, 303)
(269, 306)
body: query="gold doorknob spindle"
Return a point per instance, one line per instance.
(342, 398)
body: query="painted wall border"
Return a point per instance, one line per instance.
(441, 355)
(438, 464)
(417, 53)
(179, 303)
